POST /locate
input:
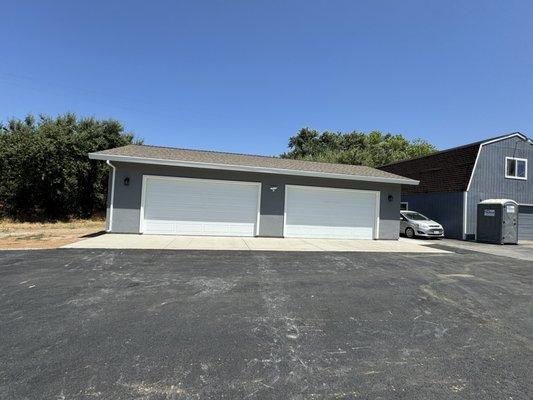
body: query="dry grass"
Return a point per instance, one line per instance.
(45, 235)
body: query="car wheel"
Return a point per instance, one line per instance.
(410, 233)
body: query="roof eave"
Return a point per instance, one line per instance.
(246, 168)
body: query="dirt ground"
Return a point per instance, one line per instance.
(48, 235)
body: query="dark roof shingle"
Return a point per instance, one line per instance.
(446, 171)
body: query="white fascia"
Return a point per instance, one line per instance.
(246, 168)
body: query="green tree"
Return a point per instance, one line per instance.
(358, 148)
(44, 169)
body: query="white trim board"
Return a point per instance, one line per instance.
(515, 177)
(377, 215)
(258, 220)
(246, 168)
(112, 199)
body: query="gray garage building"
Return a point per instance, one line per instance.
(161, 190)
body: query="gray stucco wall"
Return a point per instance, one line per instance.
(127, 199)
(445, 208)
(489, 181)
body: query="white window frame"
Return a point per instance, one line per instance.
(524, 178)
(406, 205)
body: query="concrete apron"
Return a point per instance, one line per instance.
(167, 242)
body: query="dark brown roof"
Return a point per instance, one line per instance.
(146, 154)
(445, 171)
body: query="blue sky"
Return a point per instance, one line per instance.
(245, 75)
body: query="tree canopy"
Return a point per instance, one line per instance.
(358, 148)
(44, 169)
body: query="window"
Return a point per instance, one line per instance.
(515, 168)
(415, 216)
(404, 205)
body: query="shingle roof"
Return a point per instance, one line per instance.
(445, 171)
(161, 155)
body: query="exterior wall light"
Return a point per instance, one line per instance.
(273, 188)
(390, 198)
(126, 181)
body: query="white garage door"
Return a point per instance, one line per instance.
(330, 213)
(525, 226)
(183, 206)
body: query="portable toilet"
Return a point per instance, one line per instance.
(497, 221)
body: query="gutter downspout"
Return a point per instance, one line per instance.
(111, 202)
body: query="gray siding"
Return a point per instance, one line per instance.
(108, 200)
(445, 208)
(489, 179)
(127, 199)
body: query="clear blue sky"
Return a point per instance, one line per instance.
(245, 75)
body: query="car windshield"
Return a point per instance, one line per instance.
(415, 216)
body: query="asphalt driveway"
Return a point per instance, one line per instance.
(145, 324)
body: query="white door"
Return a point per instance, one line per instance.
(330, 213)
(185, 206)
(525, 226)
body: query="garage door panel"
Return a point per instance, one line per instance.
(329, 213)
(314, 231)
(200, 207)
(525, 226)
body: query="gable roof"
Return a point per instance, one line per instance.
(444, 171)
(244, 162)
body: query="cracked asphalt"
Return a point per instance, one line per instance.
(146, 324)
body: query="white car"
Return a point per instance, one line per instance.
(415, 224)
